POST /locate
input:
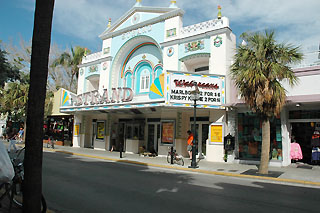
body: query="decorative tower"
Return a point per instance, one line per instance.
(219, 12)
(109, 23)
(138, 3)
(173, 4)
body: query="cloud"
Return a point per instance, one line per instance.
(295, 21)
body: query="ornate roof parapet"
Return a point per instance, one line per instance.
(204, 27)
(92, 57)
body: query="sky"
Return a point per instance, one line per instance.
(80, 22)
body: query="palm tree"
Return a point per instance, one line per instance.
(260, 66)
(72, 60)
(13, 100)
(35, 111)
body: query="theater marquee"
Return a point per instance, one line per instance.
(211, 88)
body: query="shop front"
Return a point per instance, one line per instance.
(250, 137)
(298, 122)
(305, 126)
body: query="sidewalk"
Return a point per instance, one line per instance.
(295, 173)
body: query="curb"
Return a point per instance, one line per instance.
(195, 170)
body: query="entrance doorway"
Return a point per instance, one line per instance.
(94, 133)
(302, 133)
(153, 137)
(202, 130)
(120, 143)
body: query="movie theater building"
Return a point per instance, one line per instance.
(136, 90)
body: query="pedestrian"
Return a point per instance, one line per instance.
(3, 132)
(12, 137)
(20, 135)
(190, 143)
(8, 132)
(113, 140)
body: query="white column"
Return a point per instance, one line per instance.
(285, 132)
(76, 139)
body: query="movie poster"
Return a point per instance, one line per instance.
(167, 133)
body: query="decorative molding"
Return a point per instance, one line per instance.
(217, 42)
(81, 71)
(195, 37)
(105, 65)
(171, 32)
(197, 55)
(106, 50)
(194, 46)
(93, 68)
(171, 13)
(170, 51)
(135, 18)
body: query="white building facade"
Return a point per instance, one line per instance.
(135, 92)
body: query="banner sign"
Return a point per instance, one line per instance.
(211, 88)
(168, 132)
(216, 133)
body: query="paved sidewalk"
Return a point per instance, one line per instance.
(295, 173)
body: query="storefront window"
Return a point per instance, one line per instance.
(135, 130)
(250, 137)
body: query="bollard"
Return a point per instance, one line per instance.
(121, 150)
(172, 155)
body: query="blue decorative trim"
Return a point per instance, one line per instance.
(154, 105)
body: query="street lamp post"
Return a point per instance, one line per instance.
(195, 95)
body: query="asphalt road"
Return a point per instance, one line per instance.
(78, 184)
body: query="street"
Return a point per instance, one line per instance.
(79, 184)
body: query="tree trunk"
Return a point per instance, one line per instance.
(265, 149)
(35, 111)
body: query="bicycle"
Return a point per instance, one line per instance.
(177, 159)
(13, 190)
(50, 143)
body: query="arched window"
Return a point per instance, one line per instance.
(144, 80)
(158, 72)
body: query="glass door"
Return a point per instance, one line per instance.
(202, 131)
(94, 133)
(153, 137)
(121, 136)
